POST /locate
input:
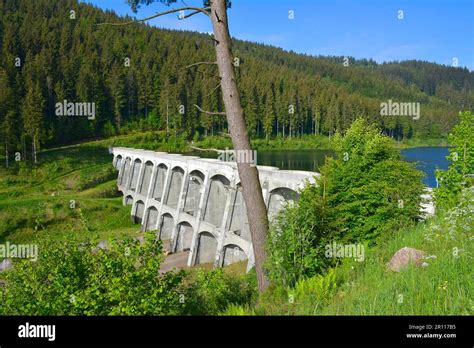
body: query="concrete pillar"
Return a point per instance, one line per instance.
(202, 204)
(132, 170)
(266, 192)
(121, 170)
(148, 197)
(224, 228)
(127, 178)
(251, 261)
(180, 206)
(140, 176)
(152, 181)
(165, 192)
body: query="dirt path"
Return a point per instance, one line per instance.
(174, 261)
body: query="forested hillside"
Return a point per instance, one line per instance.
(140, 72)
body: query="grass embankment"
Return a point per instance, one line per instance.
(71, 191)
(435, 142)
(443, 286)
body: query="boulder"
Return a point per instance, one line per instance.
(5, 264)
(141, 239)
(405, 256)
(103, 244)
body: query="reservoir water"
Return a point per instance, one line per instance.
(427, 159)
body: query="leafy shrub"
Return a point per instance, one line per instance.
(460, 173)
(81, 279)
(211, 292)
(296, 240)
(371, 190)
(366, 192)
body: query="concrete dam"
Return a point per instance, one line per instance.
(196, 204)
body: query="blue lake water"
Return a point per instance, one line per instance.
(427, 159)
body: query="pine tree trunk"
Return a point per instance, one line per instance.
(34, 149)
(251, 188)
(6, 153)
(167, 118)
(24, 148)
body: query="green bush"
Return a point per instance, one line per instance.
(211, 292)
(371, 190)
(82, 279)
(366, 192)
(460, 173)
(296, 241)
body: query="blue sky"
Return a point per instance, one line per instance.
(434, 30)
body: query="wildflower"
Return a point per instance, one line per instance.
(443, 285)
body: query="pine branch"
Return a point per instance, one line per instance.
(209, 112)
(201, 63)
(196, 10)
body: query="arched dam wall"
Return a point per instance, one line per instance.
(196, 204)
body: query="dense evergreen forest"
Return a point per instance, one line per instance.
(49, 54)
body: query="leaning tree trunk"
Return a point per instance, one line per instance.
(252, 191)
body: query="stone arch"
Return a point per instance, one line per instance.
(206, 248)
(166, 226)
(138, 212)
(233, 253)
(216, 200)
(184, 237)
(128, 200)
(135, 173)
(160, 178)
(145, 183)
(126, 171)
(278, 197)
(118, 162)
(194, 192)
(177, 175)
(151, 219)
